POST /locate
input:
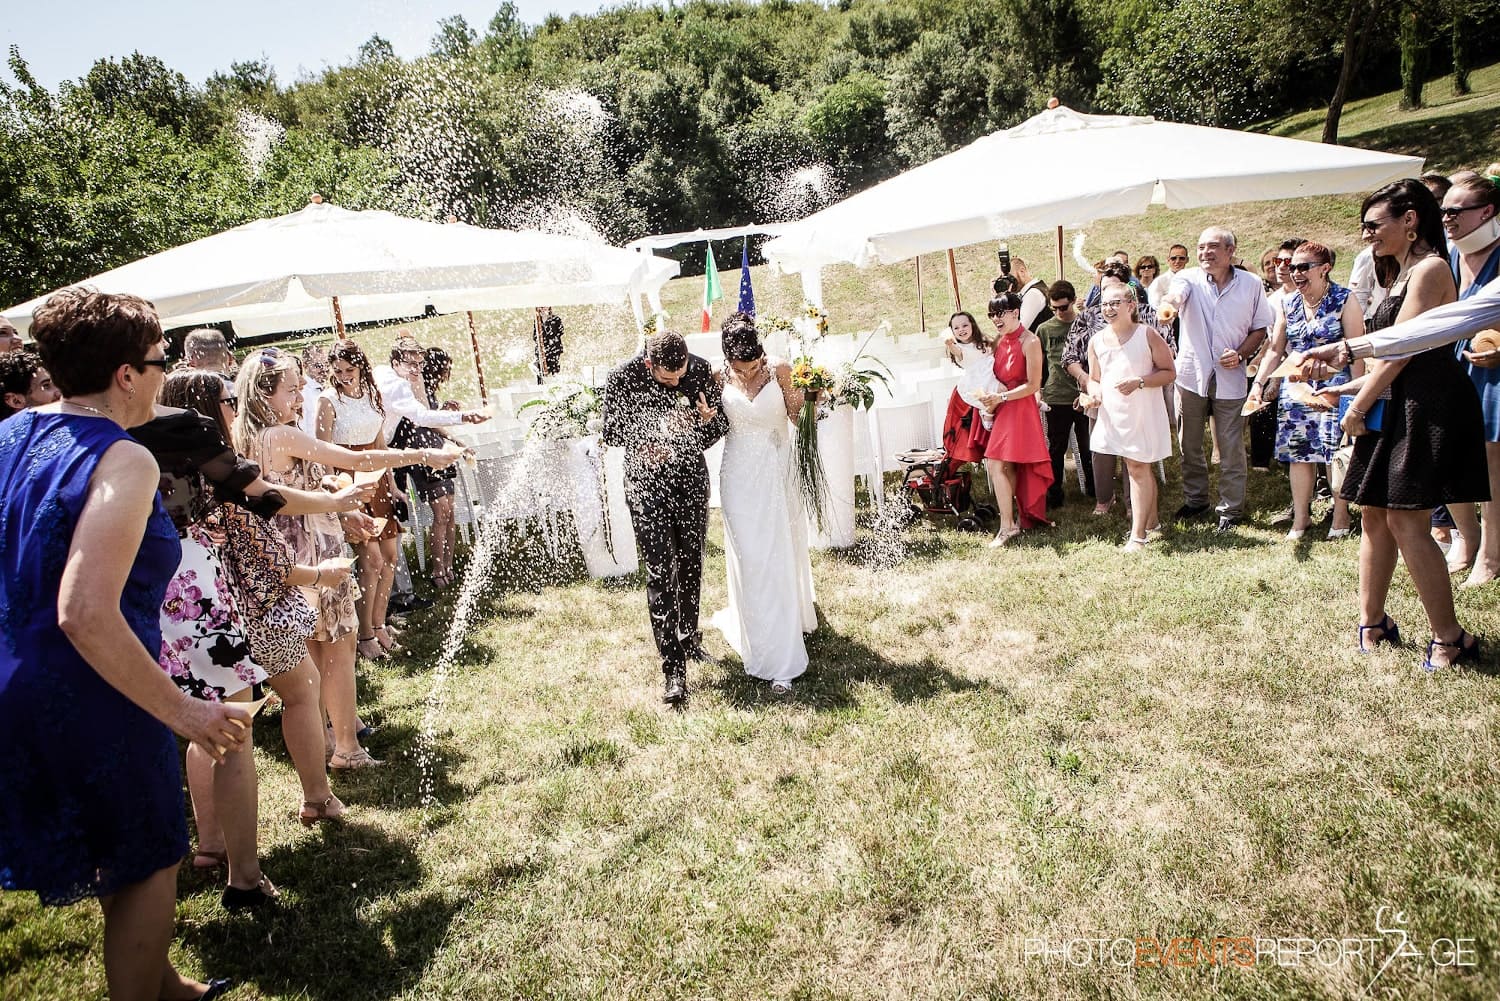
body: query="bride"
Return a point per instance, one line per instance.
(765, 524)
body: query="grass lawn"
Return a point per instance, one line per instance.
(1053, 742)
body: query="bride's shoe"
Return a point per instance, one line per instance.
(781, 688)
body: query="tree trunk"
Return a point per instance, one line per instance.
(1460, 53)
(1413, 58)
(1356, 29)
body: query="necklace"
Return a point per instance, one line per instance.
(92, 410)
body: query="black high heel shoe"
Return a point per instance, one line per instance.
(262, 893)
(1389, 633)
(1467, 653)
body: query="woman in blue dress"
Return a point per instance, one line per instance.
(91, 792)
(1470, 221)
(1307, 428)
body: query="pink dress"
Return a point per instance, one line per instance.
(1017, 436)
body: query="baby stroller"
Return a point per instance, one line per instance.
(936, 485)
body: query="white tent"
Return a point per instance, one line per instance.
(1062, 168)
(283, 273)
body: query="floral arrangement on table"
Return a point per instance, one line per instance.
(569, 410)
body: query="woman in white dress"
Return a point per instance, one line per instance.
(1125, 357)
(765, 524)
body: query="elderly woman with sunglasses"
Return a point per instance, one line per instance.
(1318, 311)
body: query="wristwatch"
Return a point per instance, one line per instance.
(1142, 382)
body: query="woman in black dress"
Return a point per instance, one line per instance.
(1429, 447)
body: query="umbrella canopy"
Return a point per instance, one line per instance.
(280, 274)
(1062, 168)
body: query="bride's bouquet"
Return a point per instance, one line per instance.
(812, 379)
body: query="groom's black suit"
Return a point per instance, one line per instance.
(666, 486)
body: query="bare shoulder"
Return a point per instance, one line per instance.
(779, 365)
(127, 466)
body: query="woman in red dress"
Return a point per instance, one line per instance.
(1016, 457)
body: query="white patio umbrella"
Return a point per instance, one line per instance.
(325, 265)
(1062, 168)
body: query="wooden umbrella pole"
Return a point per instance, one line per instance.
(953, 274)
(484, 396)
(541, 358)
(338, 318)
(1060, 275)
(921, 305)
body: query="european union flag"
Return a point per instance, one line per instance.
(747, 294)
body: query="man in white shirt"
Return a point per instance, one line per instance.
(314, 375)
(1033, 293)
(1363, 284)
(1224, 317)
(399, 400)
(1177, 258)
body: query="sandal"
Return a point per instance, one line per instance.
(217, 860)
(320, 812)
(341, 762)
(1389, 633)
(370, 649)
(1003, 538)
(1467, 652)
(781, 688)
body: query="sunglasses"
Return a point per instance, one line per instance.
(160, 363)
(269, 356)
(1283, 262)
(1371, 225)
(1457, 210)
(1305, 266)
(1176, 258)
(232, 402)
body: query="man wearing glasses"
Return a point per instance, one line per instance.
(1223, 317)
(1177, 259)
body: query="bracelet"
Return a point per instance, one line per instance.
(1361, 414)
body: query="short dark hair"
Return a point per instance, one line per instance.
(200, 390)
(1062, 289)
(1291, 243)
(1116, 269)
(667, 350)
(436, 366)
(1004, 303)
(84, 336)
(17, 369)
(404, 345)
(1437, 183)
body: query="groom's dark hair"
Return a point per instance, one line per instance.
(667, 350)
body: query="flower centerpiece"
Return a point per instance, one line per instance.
(569, 410)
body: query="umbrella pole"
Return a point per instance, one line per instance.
(484, 396)
(953, 274)
(1060, 275)
(921, 305)
(338, 319)
(541, 358)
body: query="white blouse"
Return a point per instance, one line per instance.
(355, 420)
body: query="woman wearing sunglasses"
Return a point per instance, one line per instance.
(1318, 311)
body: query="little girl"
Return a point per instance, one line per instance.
(970, 350)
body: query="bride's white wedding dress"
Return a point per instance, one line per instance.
(765, 539)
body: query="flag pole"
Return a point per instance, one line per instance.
(1060, 275)
(953, 274)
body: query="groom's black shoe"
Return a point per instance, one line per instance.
(674, 688)
(702, 656)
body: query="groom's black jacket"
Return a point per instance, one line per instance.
(641, 416)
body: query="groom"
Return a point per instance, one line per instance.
(663, 407)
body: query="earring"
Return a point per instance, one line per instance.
(1411, 236)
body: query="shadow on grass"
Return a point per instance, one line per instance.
(837, 665)
(349, 923)
(1460, 139)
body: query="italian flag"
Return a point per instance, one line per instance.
(712, 293)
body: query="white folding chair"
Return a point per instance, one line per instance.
(901, 429)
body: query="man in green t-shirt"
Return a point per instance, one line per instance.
(1059, 392)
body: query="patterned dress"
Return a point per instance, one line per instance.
(1486, 380)
(91, 790)
(315, 538)
(1304, 434)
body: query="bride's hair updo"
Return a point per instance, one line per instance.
(740, 340)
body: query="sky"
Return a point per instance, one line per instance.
(60, 41)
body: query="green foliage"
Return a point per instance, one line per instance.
(643, 117)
